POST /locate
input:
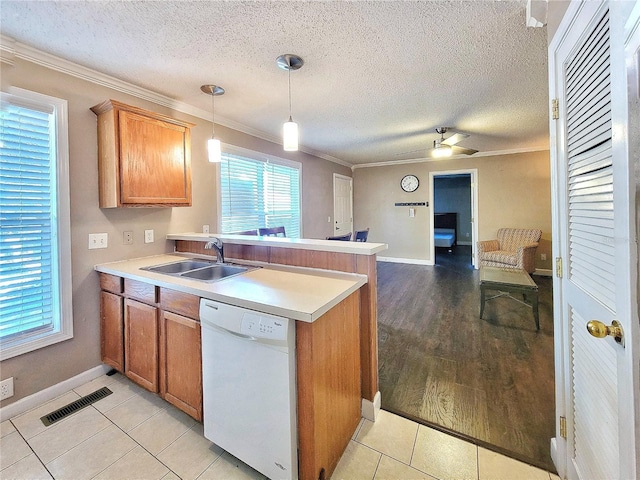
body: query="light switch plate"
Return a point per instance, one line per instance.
(98, 240)
(148, 236)
(205, 228)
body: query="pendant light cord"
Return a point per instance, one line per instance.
(290, 95)
(213, 114)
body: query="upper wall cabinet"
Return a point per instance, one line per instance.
(144, 158)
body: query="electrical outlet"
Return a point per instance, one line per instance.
(6, 388)
(127, 238)
(148, 236)
(98, 240)
(543, 256)
(205, 228)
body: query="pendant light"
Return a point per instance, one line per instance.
(213, 145)
(290, 128)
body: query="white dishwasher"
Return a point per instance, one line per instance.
(249, 387)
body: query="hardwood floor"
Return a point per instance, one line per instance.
(489, 380)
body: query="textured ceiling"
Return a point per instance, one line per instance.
(378, 78)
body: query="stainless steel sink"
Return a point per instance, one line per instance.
(179, 267)
(199, 269)
(215, 272)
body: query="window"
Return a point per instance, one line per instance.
(259, 191)
(35, 251)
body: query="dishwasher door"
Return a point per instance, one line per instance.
(249, 389)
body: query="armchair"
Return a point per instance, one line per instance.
(514, 248)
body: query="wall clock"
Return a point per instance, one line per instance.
(409, 183)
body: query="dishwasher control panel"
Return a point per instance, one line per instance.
(260, 326)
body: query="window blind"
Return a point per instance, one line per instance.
(257, 193)
(28, 234)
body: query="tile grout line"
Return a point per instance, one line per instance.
(32, 450)
(138, 444)
(377, 466)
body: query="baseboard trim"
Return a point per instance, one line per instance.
(38, 398)
(371, 410)
(414, 261)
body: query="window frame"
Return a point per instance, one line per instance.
(258, 157)
(63, 319)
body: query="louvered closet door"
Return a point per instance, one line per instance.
(594, 269)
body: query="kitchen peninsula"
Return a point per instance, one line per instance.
(327, 287)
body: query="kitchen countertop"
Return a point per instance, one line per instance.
(302, 294)
(334, 246)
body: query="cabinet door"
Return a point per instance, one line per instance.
(141, 343)
(181, 363)
(112, 330)
(155, 161)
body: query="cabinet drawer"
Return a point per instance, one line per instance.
(179, 302)
(110, 283)
(140, 290)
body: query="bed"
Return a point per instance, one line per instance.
(445, 230)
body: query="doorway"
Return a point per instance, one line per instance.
(342, 204)
(454, 194)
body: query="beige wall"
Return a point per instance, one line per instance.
(48, 366)
(555, 11)
(513, 191)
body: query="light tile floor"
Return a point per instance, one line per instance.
(133, 434)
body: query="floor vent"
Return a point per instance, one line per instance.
(73, 407)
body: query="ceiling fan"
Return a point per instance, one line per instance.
(445, 147)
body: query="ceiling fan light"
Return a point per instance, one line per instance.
(440, 150)
(215, 150)
(290, 136)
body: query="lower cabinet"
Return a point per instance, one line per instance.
(152, 335)
(181, 363)
(141, 344)
(112, 330)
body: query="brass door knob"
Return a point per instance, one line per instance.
(600, 330)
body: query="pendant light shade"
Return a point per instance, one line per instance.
(215, 150)
(290, 128)
(290, 136)
(213, 145)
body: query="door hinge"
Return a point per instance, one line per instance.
(563, 427)
(559, 267)
(555, 109)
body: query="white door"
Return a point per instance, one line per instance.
(342, 205)
(595, 238)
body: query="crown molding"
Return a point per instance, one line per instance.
(494, 153)
(10, 50)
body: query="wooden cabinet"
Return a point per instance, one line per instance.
(112, 330)
(141, 343)
(181, 363)
(144, 158)
(328, 382)
(152, 335)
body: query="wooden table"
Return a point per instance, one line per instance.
(507, 281)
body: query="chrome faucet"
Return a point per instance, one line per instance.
(216, 244)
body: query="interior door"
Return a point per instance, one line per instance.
(595, 239)
(342, 205)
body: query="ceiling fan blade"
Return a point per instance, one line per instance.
(455, 138)
(462, 150)
(412, 151)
